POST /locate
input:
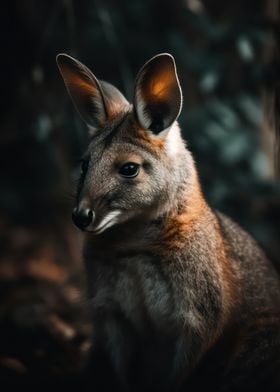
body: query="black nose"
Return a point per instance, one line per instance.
(82, 217)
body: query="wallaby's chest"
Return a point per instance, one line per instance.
(154, 290)
(148, 306)
(139, 318)
(137, 287)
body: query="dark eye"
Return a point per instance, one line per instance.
(129, 170)
(84, 166)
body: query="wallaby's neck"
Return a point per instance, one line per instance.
(183, 197)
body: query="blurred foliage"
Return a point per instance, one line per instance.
(220, 50)
(224, 67)
(224, 52)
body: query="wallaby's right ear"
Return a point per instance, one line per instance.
(96, 101)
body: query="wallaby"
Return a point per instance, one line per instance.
(182, 298)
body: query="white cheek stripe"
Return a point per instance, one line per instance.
(108, 221)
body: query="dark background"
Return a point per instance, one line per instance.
(227, 58)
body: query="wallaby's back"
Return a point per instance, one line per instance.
(246, 357)
(258, 278)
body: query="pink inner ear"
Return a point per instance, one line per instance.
(158, 95)
(77, 75)
(96, 101)
(161, 86)
(76, 81)
(84, 90)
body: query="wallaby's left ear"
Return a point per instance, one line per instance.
(158, 95)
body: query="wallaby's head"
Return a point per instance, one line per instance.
(131, 164)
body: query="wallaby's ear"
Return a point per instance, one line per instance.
(158, 95)
(96, 101)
